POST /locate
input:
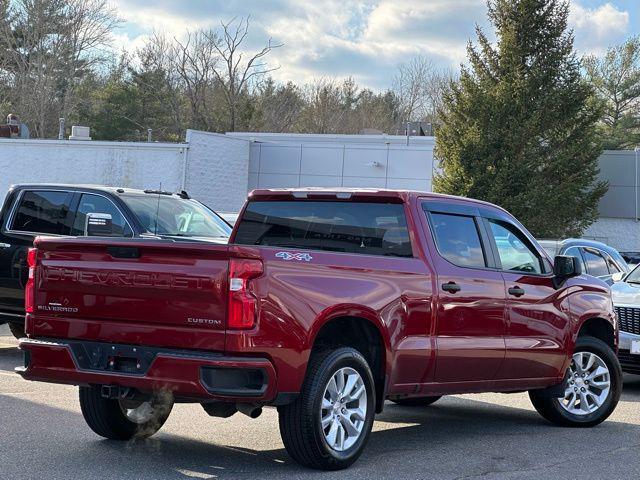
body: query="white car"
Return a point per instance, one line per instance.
(626, 300)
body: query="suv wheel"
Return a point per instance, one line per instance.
(17, 329)
(329, 424)
(592, 388)
(416, 401)
(123, 419)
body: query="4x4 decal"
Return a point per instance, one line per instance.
(294, 256)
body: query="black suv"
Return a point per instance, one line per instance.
(64, 210)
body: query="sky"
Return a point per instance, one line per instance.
(366, 40)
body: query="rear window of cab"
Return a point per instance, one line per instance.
(349, 227)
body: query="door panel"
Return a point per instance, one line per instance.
(38, 211)
(536, 329)
(471, 326)
(471, 301)
(536, 325)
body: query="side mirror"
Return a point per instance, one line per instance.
(617, 277)
(565, 267)
(98, 225)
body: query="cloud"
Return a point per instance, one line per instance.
(596, 28)
(361, 38)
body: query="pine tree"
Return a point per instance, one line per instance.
(518, 129)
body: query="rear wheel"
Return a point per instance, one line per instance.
(17, 329)
(123, 419)
(592, 388)
(416, 401)
(329, 424)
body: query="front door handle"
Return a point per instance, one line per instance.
(5, 245)
(516, 291)
(451, 287)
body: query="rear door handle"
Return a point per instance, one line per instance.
(516, 291)
(451, 287)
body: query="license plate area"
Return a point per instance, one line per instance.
(104, 357)
(635, 347)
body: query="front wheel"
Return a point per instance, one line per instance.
(123, 419)
(592, 389)
(329, 424)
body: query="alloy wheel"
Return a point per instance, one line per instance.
(588, 384)
(343, 409)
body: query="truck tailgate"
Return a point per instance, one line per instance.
(144, 292)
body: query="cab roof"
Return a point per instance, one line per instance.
(344, 193)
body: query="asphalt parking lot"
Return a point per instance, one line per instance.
(43, 435)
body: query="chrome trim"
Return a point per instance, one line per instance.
(6, 229)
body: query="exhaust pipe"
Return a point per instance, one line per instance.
(250, 410)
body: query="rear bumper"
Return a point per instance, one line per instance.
(189, 375)
(630, 363)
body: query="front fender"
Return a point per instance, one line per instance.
(589, 298)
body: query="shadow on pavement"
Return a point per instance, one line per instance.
(454, 438)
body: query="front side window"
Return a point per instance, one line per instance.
(513, 250)
(97, 204)
(458, 240)
(351, 227)
(42, 212)
(596, 264)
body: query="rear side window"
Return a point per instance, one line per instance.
(596, 264)
(351, 227)
(97, 204)
(42, 212)
(458, 240)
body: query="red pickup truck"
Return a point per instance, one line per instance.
(324, 304)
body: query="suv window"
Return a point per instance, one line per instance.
(353, 227)
(458, 239)
(596, 264)
(42, 212)
(575, 252)
(613, 266)
(98, 204)
(513, 249)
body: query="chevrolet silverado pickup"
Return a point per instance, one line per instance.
(63, 210)
(324, 304)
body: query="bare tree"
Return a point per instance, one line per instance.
(419, 85)
(325, 107)
(236, 72)
(48, 45)
(195, 60)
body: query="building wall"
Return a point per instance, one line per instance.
(217, 170)
(126, 164)
(212, 168)
(377, 161)
(619, 169)
(623, 234)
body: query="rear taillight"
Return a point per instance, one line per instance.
(242, 303)
(30, 290)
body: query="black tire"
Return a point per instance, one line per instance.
(551, 409)
(416, 401)
(17, 329)
(106, 418)
(300, 422)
